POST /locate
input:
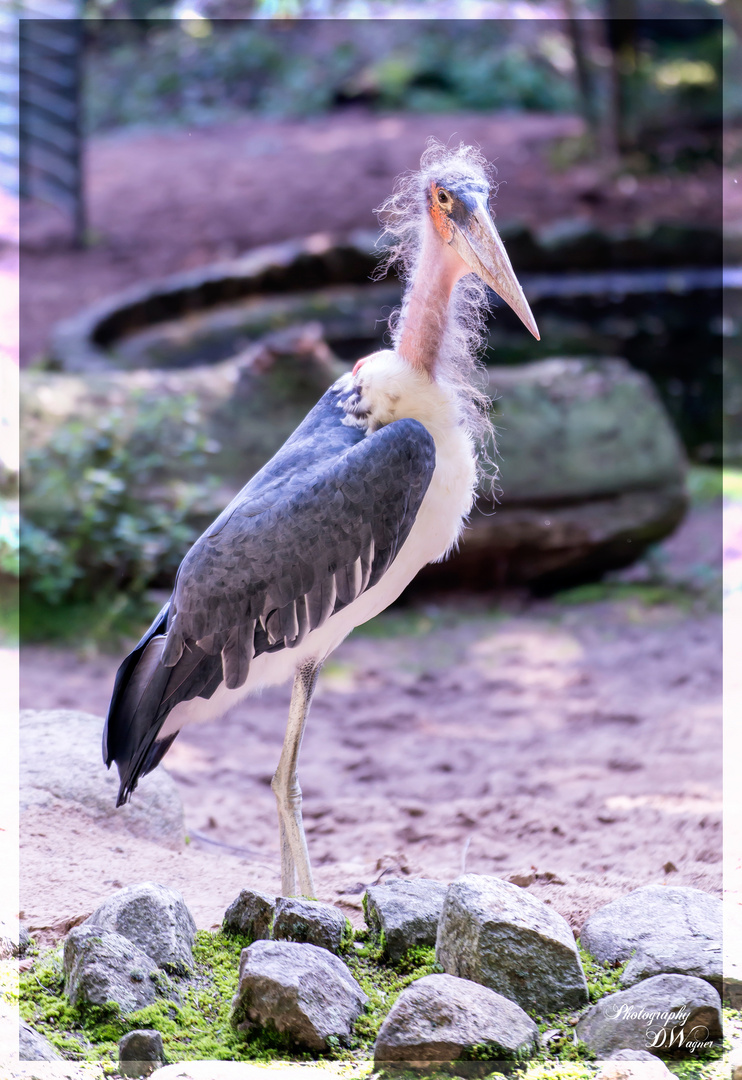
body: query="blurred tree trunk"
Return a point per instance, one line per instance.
(585, 81)
(621, 36)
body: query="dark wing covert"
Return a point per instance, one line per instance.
(291, 550)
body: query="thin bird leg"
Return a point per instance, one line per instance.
(285, 784)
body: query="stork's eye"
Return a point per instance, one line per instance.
(444, 198)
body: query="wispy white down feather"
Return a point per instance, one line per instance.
(459, 361)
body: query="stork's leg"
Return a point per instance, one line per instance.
(285, 784)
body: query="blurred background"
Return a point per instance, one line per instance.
(197, 248)
(157, 140)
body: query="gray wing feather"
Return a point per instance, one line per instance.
(319, 524)
(285, 563)
(237, 654)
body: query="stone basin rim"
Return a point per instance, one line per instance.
(78, 343)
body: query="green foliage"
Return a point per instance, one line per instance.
(369, 944)
(97, 518)
(602, 978)
(9, 569)
(104, 622)
(693, 74)
(647, 593)
(708, 1064)
(400, 623)
(455, 69)
(348, 937)
(199, 1025)
(9, 615)
(563, 1043)
(9, 539)
(706, 483)
(195, 72)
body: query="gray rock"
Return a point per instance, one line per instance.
(668, 929)
(439, 1018)
(590, 439)
(660, 1014)
(494, 933)
(252, 913)
(668, 957)
(578, 537)
(34, 1047)
(140, 1052)
(310, 921)
(633, 1065)
(155, 919)
(406, 912)
(61, 763)
(564, 411)
(631, 1055)
(14, 939)
(733, 991)
(101, 966)
(300, 989)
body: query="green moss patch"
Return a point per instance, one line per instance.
(193, 1015)
(383, 982)
(603, 978)
(194, 1019)
(559, 1070)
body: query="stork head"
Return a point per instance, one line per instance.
(458, 205)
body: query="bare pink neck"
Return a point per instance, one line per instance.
(426, 311)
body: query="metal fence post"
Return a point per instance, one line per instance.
(50, 135)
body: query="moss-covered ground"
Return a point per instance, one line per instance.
(193, 1015)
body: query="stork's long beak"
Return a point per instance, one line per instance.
(478, 243)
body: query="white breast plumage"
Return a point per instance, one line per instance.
(388, 389)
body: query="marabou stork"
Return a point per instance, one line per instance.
(376, 482)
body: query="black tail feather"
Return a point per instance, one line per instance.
(144, 693)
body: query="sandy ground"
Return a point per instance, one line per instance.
(578, 743)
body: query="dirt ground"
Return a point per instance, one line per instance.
(579, 744)
(164, 201)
